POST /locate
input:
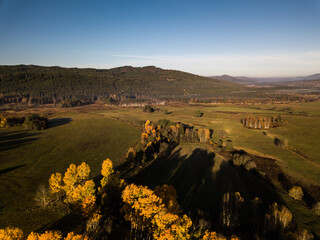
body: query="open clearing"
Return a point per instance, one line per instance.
(301, 132)
(29, 158)
(92, 133)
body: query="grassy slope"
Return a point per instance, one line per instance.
(302, 132)
(201, 177)
(29, 158)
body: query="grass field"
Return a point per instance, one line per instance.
(201, 177)
(29, 158)
(301, 132)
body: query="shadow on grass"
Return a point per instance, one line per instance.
(65, 224)
(11, 169)
(201, 185)
(11, 140)
(55, 122)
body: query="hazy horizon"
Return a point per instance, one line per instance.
(208, 38)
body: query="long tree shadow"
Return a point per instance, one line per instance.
(187, 174)
(201, 187)
(55, 122)
(11, 140)
(11, 169)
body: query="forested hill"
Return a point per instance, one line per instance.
(137, 81)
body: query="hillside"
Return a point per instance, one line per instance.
(57, 82)
(270, 80)
(234, 79)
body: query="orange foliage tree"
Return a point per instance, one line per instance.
(146, 210)
(168, 194)
(11, 233)
(48, 235)
(76, 186)
(106, 171)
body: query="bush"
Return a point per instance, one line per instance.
(316, 208)
(164, 123)
(198, 114)
(148, 109)
(281, 143)
(229, 146)
(296, 193)
(223, 134)
(242, 159)
(35, 122)
(250, 165)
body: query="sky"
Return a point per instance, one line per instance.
(256, 38)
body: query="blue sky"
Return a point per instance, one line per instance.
(252, 38)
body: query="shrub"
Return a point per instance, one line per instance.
(303, 234)
(280, 143)
(198, 114)
(223, 134)
(35, 122)
(250, 165)
(148, 109)
(229, 146)
(241, 159)
(164, 123)
(316, 208)
(296, 193)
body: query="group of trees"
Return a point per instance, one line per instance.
(242, 159)
(149, 214)
(148, 109)
(156, 137)
(35, 122)
(12, 233)
(152, 214)
(31, 122)
(69, 103)
(262, 122)
(158, 214)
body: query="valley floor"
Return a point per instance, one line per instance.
(94, 132)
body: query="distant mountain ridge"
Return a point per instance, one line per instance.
(252, 80)
(146, 81)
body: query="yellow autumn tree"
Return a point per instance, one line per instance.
(279, 215)
(140, 205)
(212, 236)
(70, 180)
(168, 195)
(146, 210)
(285, 216)
(72, 236)
(171, 226)
(83, 171)
(296, 193)
(48, 235)
(106, 171)
(11, 233)
(76, 185)
(55, 182)
(93, 222)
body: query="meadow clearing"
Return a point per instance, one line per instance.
(92, 133)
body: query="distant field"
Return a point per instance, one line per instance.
(301, 132)
(27, 159)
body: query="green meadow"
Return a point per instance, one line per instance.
(28, 158)
(302, 132)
